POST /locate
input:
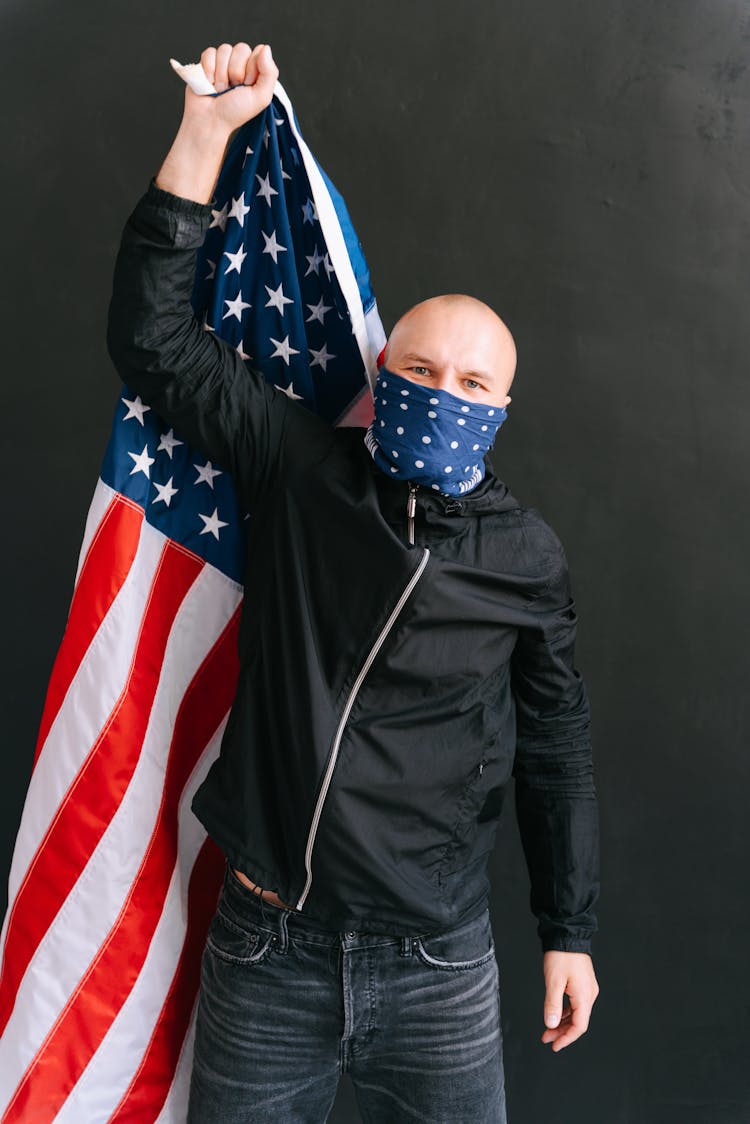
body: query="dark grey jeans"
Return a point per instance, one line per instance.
(286, 1007)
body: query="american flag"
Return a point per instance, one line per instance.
(113, 879)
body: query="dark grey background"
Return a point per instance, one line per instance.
(584, 166)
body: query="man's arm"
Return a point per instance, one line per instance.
(556, 804)
(189, 376)
(555, 796)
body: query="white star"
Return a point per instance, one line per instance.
(136, 408)
(283, 350)
(321, 357)
(220, 217)
(314, 261)
(284, 175)
(206, 473)
(248, 152)
(265, 188)
(242, 354)
(239, 210)
(265, 136)
(279, 120)
(212, 274)
(308, 212)
(166, 491)
(212, 523)
(235, 307)
(235, 260)
(277, 298)
(318, 311)
(142, 462)
(272, 247)
(288, 390)
(327, 265)
(167, 442)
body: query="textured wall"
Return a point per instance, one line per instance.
(584, 167)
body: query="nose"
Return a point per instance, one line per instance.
(445, 380)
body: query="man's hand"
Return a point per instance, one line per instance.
(247, 74)
(571, 974)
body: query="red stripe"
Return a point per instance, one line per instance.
(94, 796)
(104, 569)
(148, 1091)
(88, 1015)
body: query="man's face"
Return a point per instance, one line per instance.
(457, 348)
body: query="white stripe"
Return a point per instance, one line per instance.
(92, 906)
(334, 238)
(88, 702)
(95, 688)
(110, 1071)
(376, 336)
(102, 498)
(174, 1109)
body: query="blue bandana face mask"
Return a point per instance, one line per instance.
(430, 436)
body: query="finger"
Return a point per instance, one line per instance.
(553, 1001)
(221, 75)
(552, 1033)
(251, 66)
(268, 72)
(237, 62)
(578, 1025)
(208, 62)
(565, 1039)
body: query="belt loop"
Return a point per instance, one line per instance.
(283, 933)
(406, 946)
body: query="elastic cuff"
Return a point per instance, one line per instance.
(177, 203)
(551, 943)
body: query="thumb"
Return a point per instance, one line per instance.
(553, 1002)
(268, 72)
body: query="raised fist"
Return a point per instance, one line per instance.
(248, 75)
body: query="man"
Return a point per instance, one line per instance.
(406, 646)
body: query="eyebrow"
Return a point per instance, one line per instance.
(430, 363)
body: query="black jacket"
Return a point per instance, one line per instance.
(387, 692)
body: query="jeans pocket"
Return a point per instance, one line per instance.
(237, 943)
(465, 946)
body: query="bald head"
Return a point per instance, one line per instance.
(457, 343)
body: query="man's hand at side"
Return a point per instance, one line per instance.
(571, 974)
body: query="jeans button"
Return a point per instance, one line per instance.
(352, 933)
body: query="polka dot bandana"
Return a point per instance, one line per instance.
(430, 436)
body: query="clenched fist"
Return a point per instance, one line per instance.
(247, 74)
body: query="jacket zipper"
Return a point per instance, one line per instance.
(411, 507)
(339, 732)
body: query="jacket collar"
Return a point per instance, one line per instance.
(490, 495)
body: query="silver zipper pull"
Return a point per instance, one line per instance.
(411, 507)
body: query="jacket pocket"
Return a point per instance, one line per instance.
(469, 804)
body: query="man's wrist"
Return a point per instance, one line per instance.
(192, 165)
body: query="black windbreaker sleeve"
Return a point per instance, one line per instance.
(191, 377)
(555, 796)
